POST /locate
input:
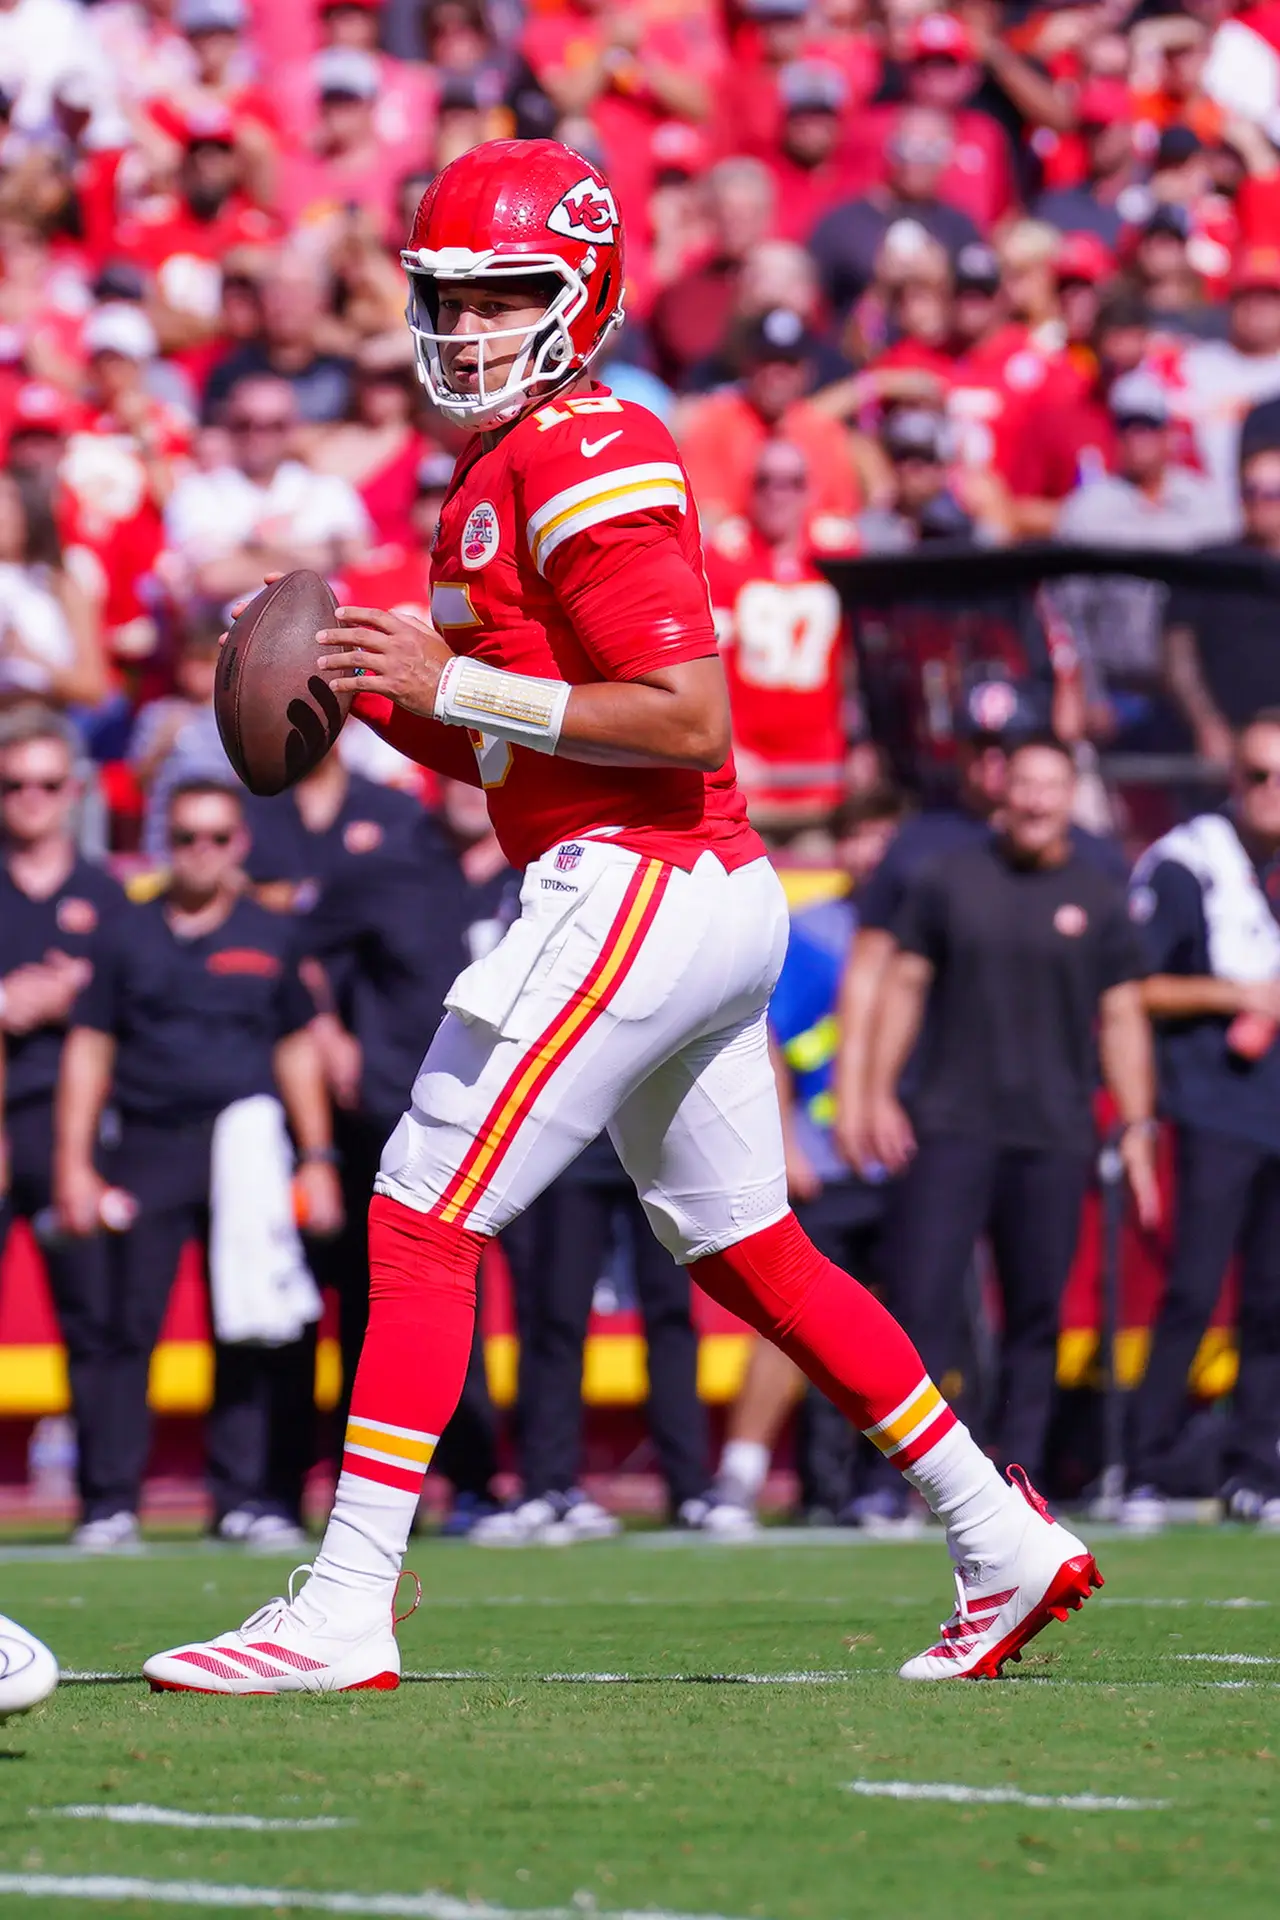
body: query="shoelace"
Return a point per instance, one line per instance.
(271, 1609)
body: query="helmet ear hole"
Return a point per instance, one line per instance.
(605, 294)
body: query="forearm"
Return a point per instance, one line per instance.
(860, 991)
(901, 1013)
(1126, 1054)
(677, 92)
(84, 1080)
(628, 723)
(1032, 92)
(300, 1080)
(1175, 996)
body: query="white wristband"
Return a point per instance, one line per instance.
(515, 707)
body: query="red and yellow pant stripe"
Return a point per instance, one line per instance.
(584, 1006)
(394, 1456)
(916, 1424)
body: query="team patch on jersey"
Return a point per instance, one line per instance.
(587, 212)
(568, 856)
(1071, 921)
(361, 836)
(74, 915)
(244, 960)
(480, 536)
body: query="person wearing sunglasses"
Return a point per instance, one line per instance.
(54, 909)
(264, 511)
(1206, 899)
(1220, 656)
(196, 1010)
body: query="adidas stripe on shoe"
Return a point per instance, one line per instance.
(1047, 1574)
(276, 1651)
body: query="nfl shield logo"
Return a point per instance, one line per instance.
(568, 857)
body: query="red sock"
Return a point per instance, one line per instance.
(836, 1332)
(422, 1309)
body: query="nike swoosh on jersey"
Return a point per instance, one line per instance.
(592, 447)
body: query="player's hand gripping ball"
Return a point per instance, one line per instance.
(371, 651)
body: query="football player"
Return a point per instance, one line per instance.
(571, 670)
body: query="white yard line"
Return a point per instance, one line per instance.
(444, 1675)
(203, 1893)
(1233, 1659)
(1000, 1796)
(141, 1815)
(1127, 1600)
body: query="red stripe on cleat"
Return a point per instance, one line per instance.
(380, 1683)
(1070, 1587)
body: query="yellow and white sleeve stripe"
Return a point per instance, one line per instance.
(604, 496)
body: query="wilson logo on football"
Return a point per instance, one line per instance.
(480, 536)
(587, 212)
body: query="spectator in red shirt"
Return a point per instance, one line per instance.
(222, 70)
(810, 169)
(784, 642)
(182, 239)
(943, 72)
(344, 165)
(721, 436)
(749, 109)
(629, 67)
(405, 108)
(1083, 268)
(1098, 204)
(1071, 441)
(117, 473)
(690, 318)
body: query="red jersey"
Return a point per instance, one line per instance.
(781, 626)
(107, 509)
(397, 578)
(571, 550)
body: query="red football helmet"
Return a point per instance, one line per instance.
(514, 208)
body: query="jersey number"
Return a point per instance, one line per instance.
(493, 757)
(589, 403)
(786, 634)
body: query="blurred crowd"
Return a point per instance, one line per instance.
(897, 278)
(895, 275)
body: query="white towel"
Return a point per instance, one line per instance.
(1244, 940)
(259, 1282)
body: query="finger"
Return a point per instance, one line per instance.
(376, 617)
(364, 683)
(353, 657)
(366, 637)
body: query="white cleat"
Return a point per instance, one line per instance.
(1000, 1605)
(277, 1652)
(28, 1671)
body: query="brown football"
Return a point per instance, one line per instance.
(277, 713)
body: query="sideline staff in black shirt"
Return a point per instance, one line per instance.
(1224, 1102)
(195, 1003)
(54, 907)
(1020, 947)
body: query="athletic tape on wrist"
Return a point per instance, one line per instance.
(510, 706)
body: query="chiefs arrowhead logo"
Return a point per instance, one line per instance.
(587, 212)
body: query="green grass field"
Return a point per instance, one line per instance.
(527, 1793)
